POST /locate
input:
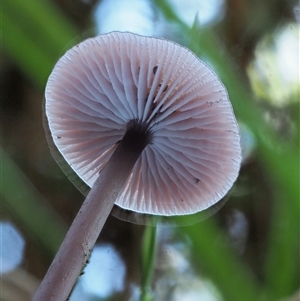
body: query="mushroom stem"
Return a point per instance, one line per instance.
(75, 250)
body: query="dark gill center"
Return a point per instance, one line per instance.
(138, 135)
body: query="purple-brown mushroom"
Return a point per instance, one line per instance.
(146, 124)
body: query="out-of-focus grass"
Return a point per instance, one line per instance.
(22, 199)
(34, 35)
(213, 254)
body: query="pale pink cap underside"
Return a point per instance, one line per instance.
(101, 84)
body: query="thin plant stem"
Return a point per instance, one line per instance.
(148, 254)
(75, 250)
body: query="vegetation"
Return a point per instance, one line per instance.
(34, 35)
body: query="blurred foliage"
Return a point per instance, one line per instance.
(35, 33)
(44, 222)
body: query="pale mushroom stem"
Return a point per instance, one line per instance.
(75, 250)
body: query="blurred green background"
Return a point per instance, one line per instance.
(249, 250)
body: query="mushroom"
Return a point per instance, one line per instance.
(145, 124)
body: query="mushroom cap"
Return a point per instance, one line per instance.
(98, 86)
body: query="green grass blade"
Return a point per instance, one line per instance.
(148, 254)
